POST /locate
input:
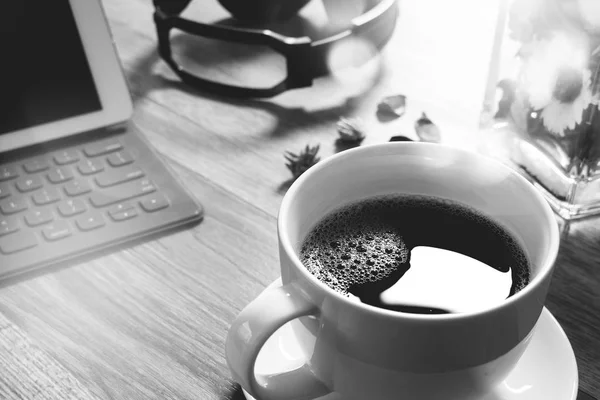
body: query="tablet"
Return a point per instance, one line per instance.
(48, 91)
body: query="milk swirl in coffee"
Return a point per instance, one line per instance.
(416, 254)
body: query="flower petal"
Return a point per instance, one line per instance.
(557, 116)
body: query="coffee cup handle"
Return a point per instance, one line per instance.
(249, 332)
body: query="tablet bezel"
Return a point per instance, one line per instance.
(108, 78)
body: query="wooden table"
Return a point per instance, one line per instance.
(149, 322)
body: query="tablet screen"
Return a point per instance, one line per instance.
(44, 73)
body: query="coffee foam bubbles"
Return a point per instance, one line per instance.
(352, 247)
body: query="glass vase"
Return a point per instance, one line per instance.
(542, 99)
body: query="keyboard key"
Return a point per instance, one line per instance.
(89, 167)
(28, 184)
(66, 157)
(120, 158)
(154, 203)
(17, 242)
(8, 225)
(60, 174)
(105, 147)
(13, 205)
(8, 173)
(90, 221)
(38, 217)
(119, 175)
(125, 191)
(117, 208)
(56, 231)
(71, 207)
(36, 165)
(122, 211)
(77, 187)
(4, 190)
(124, 215)
(46, 196)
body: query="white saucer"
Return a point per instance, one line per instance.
(547, 369)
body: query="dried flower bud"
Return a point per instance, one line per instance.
(392, 105)
(427, 130)
(299, 163)
(400, 138)
(350, 130)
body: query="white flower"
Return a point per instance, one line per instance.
(545, 59)
(557, 81)
(590, 13)
(558, 116)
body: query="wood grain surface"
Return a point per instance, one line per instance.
(149, 321)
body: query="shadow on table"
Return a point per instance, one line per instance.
(581, 395)
(144, 78)
(284, 186)
(340, 145)
(234, 393)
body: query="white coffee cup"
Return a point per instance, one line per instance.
(363, 352)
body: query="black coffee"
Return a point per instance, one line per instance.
(416, 254)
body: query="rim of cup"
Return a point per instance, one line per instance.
(545, 268)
